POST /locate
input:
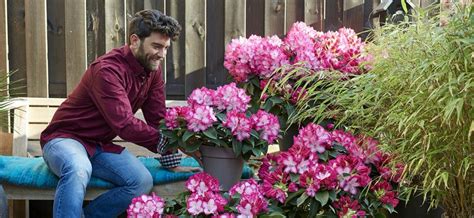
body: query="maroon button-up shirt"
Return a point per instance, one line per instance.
(103, 105)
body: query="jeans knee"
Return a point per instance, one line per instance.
(141, 183)
(80, 172)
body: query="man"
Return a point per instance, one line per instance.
(77, 143)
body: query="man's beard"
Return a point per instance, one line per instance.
(145, 61)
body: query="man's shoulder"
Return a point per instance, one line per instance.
(113, 59)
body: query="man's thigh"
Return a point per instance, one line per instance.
(117, 168)
(65, 152)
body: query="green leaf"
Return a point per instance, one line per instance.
(211, 133)
(192, 147)
(322, 197)
(222, 117)
(293, 195)
(294, 177)
(275, 100)
(301, 199)
(246, 148)
(256, 152)
(273, 215)
(324, 156)
(313, 208)
(290, 109)
(332, 195)
(236, 146)
(187, 135)
(267, 106)
(254, 134)
(389, 208)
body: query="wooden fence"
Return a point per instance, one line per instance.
(50, 42)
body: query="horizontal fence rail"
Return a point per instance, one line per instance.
(49, 43)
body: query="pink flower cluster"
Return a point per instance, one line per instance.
(347, 207)
(204, 104)
(257, 56)
(341, 50)
(299, 41)
(329, 162)
(254, 56)
(205, 197)
(252, 202)
(146, 206)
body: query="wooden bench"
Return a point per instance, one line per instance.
(31, 116)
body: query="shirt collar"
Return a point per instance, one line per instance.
(135, 66)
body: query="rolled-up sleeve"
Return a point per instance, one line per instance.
(109, 95)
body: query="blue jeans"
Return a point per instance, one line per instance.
(68, 159)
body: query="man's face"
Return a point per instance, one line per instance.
(151, 50)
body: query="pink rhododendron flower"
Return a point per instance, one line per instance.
(201, 183)
(229, 97)
(238, 55)
(200, 118)
(314, 137)
(268, 124)
(146, 206)
(202, 96)
(300, 41)
(346, 207)
(341, 50)
(383, 191)
(239, 124)
(268, 55)
(275, 185)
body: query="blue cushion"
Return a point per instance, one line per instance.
(33, 172)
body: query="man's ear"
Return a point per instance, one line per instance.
(134, 41)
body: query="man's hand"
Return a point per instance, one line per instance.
(182, 169)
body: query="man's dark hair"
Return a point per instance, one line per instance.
(147, 21)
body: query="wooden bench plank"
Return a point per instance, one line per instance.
(15, 192)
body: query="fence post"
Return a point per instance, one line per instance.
(314, 13)
(76, 42)
(195, 37)
(294, 11)
(274, 17)
(114, 24)
(36, 48)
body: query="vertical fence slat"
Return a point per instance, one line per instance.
(95, 29)
(4, 118)
(333, 16)
(56, 48)
(215, 72)
(16, 39)
(294, 11)
(37, 48)
(3, 38)
(255, 23)
(155, 4)
(274, 17)
(353, 15)
(114, 24)
(76, 42)
(175, 61)
(195, 55)
(235, 17)
(314, 13)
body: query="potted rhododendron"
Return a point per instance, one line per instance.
(218, 123)
(271, 69)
